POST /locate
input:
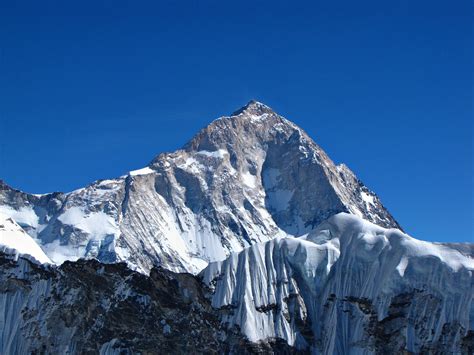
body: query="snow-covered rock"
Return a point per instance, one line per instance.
(350, 286)
(244, 179)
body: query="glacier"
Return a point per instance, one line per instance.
(349, 287)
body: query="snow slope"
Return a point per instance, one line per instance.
(14, 240)
(348, 287)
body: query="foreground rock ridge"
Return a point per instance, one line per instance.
(247, 240)
(86, 307)
(243, 179)
(348, 287)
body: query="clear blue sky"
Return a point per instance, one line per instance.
(91, 90)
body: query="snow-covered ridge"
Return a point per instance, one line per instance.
(142, 171)
(14, 240)
(317, 283)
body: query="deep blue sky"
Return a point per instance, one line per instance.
(90, 91)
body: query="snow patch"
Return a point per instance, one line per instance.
(61, 253)
(218, 154)
(249, 179)
(25, 216)
(258, 118)
(402, 266)
(107, 182)
(193, 166)
(143, 171)
(98, 224)
(368, 199)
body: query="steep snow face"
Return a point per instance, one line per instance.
(244, 179)
(349, 287)
(14, 240)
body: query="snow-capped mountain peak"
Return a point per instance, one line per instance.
(289, 251)
(232, 185)
(253, 108)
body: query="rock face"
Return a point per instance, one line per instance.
(244, 179)
(350, 287)
(86, 307)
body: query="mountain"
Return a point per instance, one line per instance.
(348, 287)
(249, 239)
(246, 178)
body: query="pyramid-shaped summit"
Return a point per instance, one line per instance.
(243, 179)
(253, 107)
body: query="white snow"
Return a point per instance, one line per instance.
(108, 182)
(143, 171)
(98, 224)
(193, 166)
(41, 195)
(14, 239)
(25, 216)
(249, 179)
(365, 261)
(368, 199)
(402, 266)
(258, 118)
(448, 256)
(60, 253)
(394, 239)
(218, 154)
